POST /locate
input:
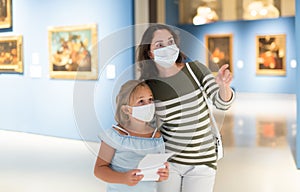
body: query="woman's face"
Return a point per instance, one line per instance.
(161, 38)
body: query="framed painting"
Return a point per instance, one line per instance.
(219, 51)
(270, 55)
(73, 52)
(11, 54)
(5, 14)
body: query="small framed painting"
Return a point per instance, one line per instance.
(270, 55)
(5, 14)
(219, 51)
(11, 54)
(73, 52)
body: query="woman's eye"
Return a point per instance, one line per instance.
(158, 45)
(171, 42)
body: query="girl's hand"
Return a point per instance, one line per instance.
(224, 76)
(163, 172)
(131, 177)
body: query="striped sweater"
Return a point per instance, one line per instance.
(184, 116)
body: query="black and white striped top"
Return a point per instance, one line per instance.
(183, 112)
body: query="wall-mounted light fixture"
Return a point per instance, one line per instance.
(110, 71)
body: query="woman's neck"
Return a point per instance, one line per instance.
(168, 72)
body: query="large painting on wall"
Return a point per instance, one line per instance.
(270, 55)
(73, 52)
(5, 14)
(219, 51)
(11, 54)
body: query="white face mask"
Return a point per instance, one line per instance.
(166, 56)
(144, 112)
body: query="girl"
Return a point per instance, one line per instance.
(124, 145)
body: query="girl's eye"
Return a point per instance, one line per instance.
(144, 102)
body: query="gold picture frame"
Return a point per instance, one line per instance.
(73, 52)
(11, 54)
(219, 51)
(271, 55)
(5, 14)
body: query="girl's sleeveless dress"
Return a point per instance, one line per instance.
(129, 151)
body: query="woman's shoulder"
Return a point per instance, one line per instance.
(199, 68)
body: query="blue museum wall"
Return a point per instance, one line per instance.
(65, 108)
(172, 12)
(244, 42)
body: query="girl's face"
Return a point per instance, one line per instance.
(141, 96)
(161, 38)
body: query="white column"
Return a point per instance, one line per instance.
(288, 8)
(161, 11)
(229, 11)
(141, 17)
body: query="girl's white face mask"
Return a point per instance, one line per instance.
(144, 112)
(166, 56)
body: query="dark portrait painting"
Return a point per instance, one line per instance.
(270, 55)
(219, 51)
(11, 59)
(5, 14)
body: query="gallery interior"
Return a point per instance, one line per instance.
(51, 114)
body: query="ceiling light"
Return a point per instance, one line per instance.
(205, 15)
(260, 10)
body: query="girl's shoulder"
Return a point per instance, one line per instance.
(120, 129)
(124, 132)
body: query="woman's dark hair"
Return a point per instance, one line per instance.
(146, 65)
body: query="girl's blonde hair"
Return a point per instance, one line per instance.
(125, 94)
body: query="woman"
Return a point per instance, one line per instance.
(181, 108)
